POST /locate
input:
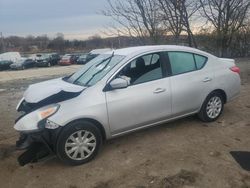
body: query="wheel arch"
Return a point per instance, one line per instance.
(222, 92)
(95, 122)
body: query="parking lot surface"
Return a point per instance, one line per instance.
(37, 72)
(184, 153)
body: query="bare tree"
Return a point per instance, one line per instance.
(177, 16)
(171, 18)
(58, 43)
(227, 17)
(136, 18)
(240, 46)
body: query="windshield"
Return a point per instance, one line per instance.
(42, 56)
(66, 57)
(83, 56)
(95, 70)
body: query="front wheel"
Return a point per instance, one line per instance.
(79, 143)
(212, 107)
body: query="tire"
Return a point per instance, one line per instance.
(212, 107)
(49, 64)
(78, 152)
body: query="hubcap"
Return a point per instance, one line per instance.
(80, 145)
(214, 107)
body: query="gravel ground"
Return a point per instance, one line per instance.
(183, 153)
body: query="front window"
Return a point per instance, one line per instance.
(95, 70)
(143, 69)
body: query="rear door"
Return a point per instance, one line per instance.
(148, 98)
(190, 81)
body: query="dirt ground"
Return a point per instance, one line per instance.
(184, 153)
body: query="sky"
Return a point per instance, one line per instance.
(76, 19)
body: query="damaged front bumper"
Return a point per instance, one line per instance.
(37, 136)
(39, 103)
(37, 145)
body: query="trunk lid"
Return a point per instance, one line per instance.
(229, 62)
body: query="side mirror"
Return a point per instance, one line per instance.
(119, 83)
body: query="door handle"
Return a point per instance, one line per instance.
(159, 90)
(207, 79)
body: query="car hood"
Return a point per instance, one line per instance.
(5, 62)
(52, 88)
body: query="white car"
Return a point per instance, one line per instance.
(123, 91)
(7, 58)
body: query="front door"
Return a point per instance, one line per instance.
(145, 101)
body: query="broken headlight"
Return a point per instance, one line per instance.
(44, 113)
(47, 111)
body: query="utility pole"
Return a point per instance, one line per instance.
(2, 42)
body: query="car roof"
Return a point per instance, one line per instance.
(142, 49)
(10, 56)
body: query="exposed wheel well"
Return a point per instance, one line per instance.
(223, 94)
(96, 123)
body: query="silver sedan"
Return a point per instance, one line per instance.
(122, 91)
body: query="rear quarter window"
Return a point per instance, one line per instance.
(200, 61)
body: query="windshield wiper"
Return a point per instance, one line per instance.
(109, 60)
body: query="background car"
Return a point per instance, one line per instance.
(94, 53)
(6, 59)
(23, 63)
(5, 64)
(54, 58)
(68, 59)
(47, 60)
(42, 60)
(82, 59)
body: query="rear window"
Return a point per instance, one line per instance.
(181, 62)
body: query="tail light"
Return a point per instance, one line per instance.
(235, 69)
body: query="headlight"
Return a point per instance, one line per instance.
(47, 111)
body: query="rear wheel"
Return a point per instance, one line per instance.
(79, 143)
(212, 107)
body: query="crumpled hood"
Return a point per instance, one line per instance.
(40, 91)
